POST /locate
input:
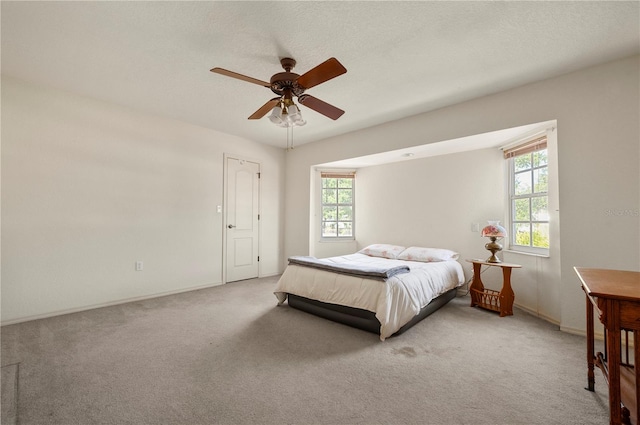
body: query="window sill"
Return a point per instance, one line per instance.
(341, 240)
(531, 254)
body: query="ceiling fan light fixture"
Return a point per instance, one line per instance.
(276, 115)
(288, 115)
(294, 113)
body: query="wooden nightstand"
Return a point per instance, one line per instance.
(500, 301)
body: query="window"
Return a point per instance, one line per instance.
(337, 205)
(529, 201)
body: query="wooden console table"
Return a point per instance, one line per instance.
(500, 301)
(616, 296)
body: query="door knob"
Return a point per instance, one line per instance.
(231, 226)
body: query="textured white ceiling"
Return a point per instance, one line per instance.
(403, 58)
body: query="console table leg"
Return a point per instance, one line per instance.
(636, 349)
(613, 362)
(476, 284)
(506, 294)
(590, 347)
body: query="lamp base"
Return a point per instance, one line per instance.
(493, 259)
(494, 247)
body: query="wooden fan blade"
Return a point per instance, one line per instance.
(264, 109)
(240, 77)
(327, 70)
(320, 106)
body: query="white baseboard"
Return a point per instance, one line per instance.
(581, 332)
(598, 334)
(107, 304)
(462, 291)
(271, 274)
(537, 314)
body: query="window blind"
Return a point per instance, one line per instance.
(529, 146)
(338, 175)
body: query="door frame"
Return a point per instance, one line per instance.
(225, 204)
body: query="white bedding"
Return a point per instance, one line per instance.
(395, 301)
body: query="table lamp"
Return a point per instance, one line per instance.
(493, 231)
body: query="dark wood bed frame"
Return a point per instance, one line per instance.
(363, 319)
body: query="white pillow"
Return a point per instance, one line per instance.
(382, 250)
(417, 253)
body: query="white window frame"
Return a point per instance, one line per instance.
(533, 145)
(338, 174)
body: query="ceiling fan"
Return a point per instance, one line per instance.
(288, 84)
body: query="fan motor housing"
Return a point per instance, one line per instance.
(286, 80)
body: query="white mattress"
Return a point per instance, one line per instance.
(395, 301)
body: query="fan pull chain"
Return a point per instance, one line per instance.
(289, 138)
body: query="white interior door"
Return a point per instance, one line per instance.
(242, 220)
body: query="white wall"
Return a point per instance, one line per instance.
(597, 110)
(431, 202)
(88, 188)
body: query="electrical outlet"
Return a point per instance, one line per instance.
(139, 266)
(475, 227)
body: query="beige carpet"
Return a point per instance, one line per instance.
(229, 355)
(9, 394)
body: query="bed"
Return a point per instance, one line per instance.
(382, 288)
